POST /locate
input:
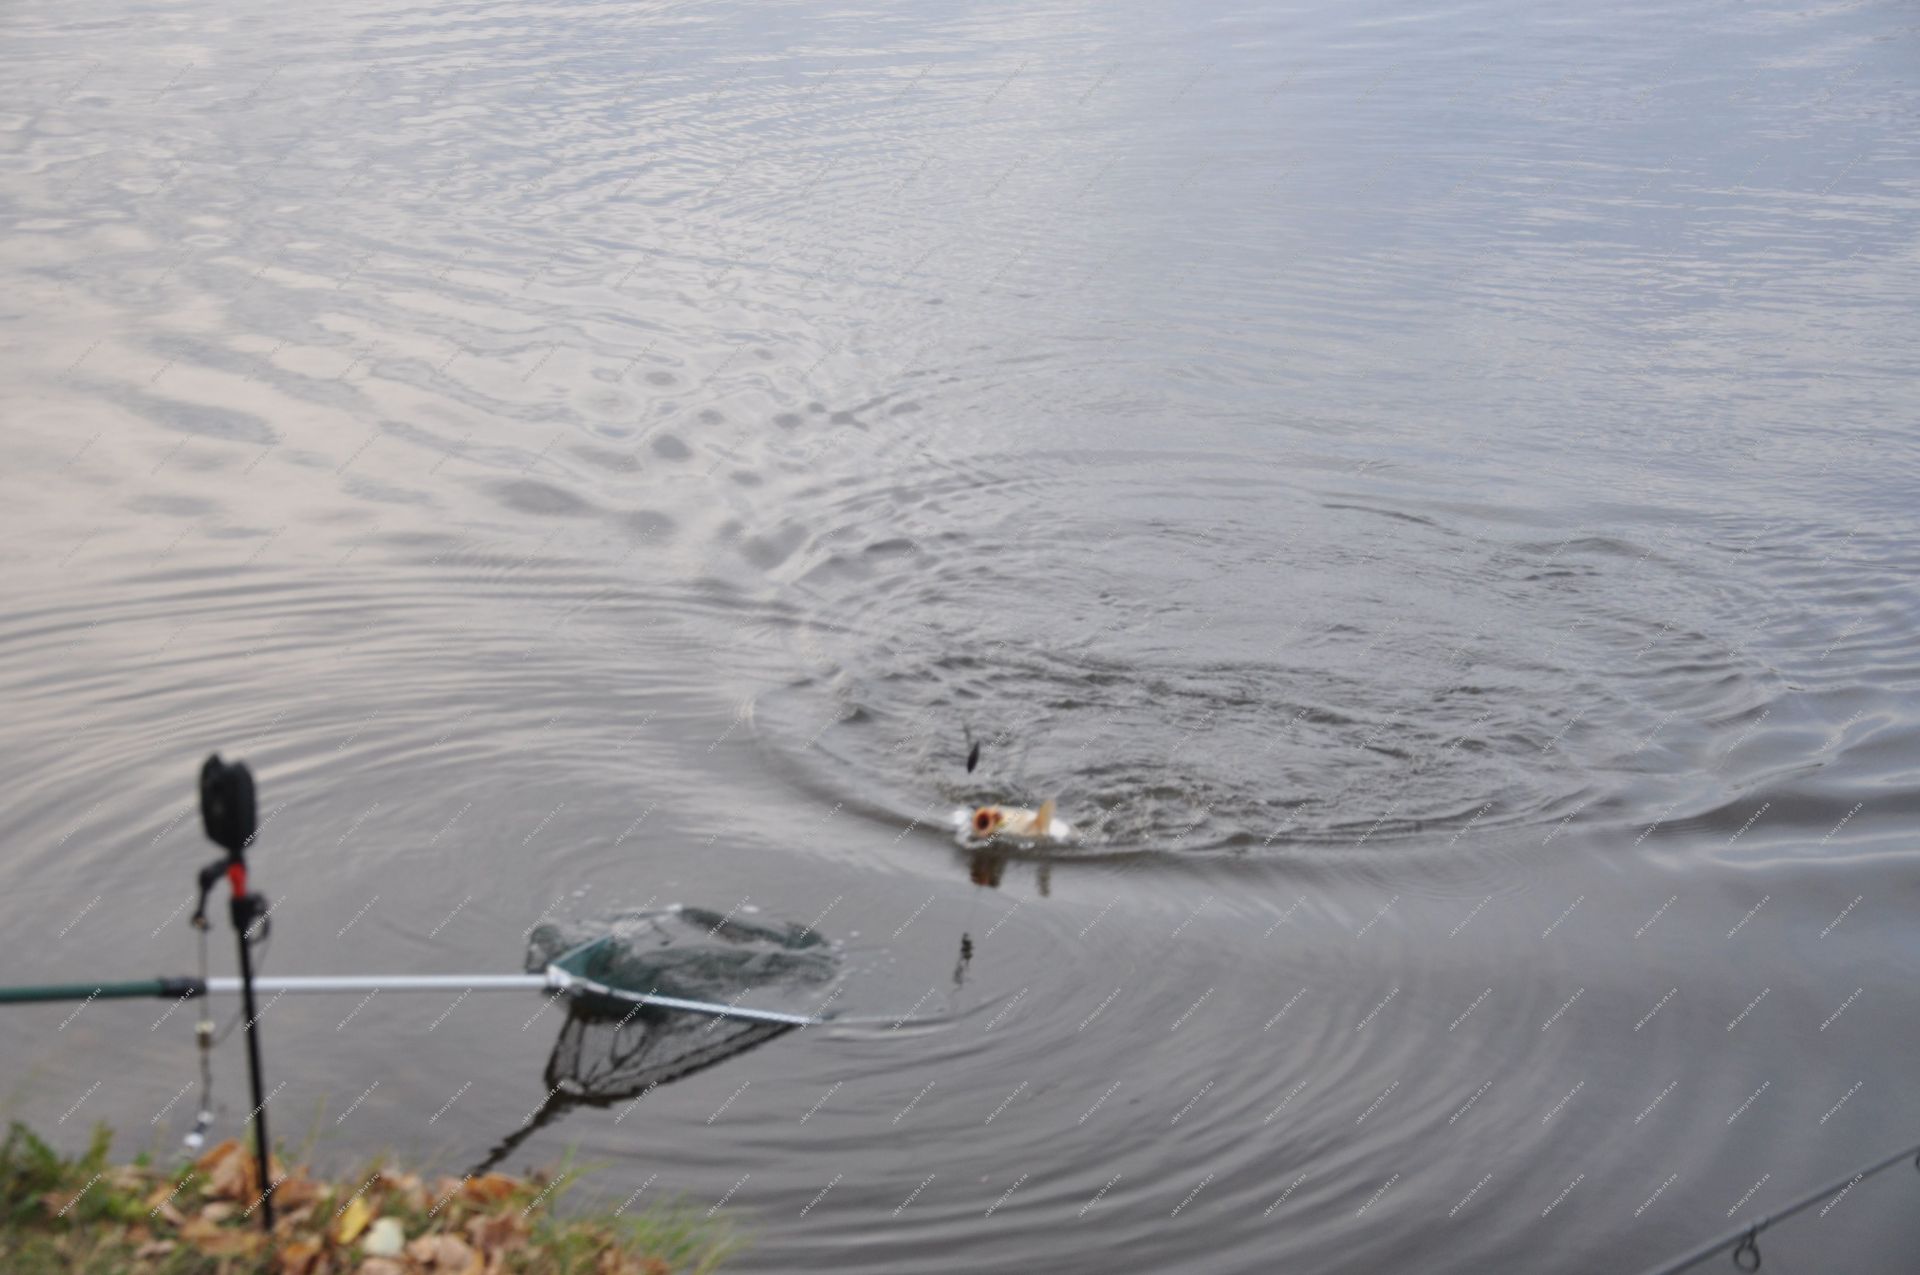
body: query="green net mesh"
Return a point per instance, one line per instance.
(611, 1049)
(691, 953)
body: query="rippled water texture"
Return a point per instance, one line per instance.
(1429, 491)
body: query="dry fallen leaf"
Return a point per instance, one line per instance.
(293, 1221)
(353, 1220)
(221, 1241)
(216, 1154)
(405, 1186)
(298, 1257)
(162, 1198)
(382, 1266)
(232, 1178)
(295, 1190)
(489, 1188)
(499, 1233)
(219, 1211)
(614, 1262)
(154, 1248)
(445, 1255)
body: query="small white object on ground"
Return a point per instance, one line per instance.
(385, 1238)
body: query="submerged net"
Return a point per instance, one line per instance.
(690, 953)
(612, 1049)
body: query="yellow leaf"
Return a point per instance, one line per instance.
(353, 1221)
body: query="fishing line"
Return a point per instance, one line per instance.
(206, 1038)
(260, 957)
(203, 1038)
(973, 901)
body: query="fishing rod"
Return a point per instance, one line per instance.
(1745, 1242)
(588, 973)
(227, 808)
(585, 972)
(554, 978)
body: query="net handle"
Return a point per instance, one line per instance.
(565, 980)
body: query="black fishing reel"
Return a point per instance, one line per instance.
(230, 815)
(226, 804)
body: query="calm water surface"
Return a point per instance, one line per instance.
(1429, 489)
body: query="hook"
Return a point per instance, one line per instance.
(1751, 1245)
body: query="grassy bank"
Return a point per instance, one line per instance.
(85, 1213)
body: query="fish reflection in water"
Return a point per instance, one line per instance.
(987, 864)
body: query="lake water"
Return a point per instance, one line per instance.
(1429, 490)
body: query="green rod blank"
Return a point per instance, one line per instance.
(164, 987)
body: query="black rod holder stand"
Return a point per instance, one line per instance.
(228, 812)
